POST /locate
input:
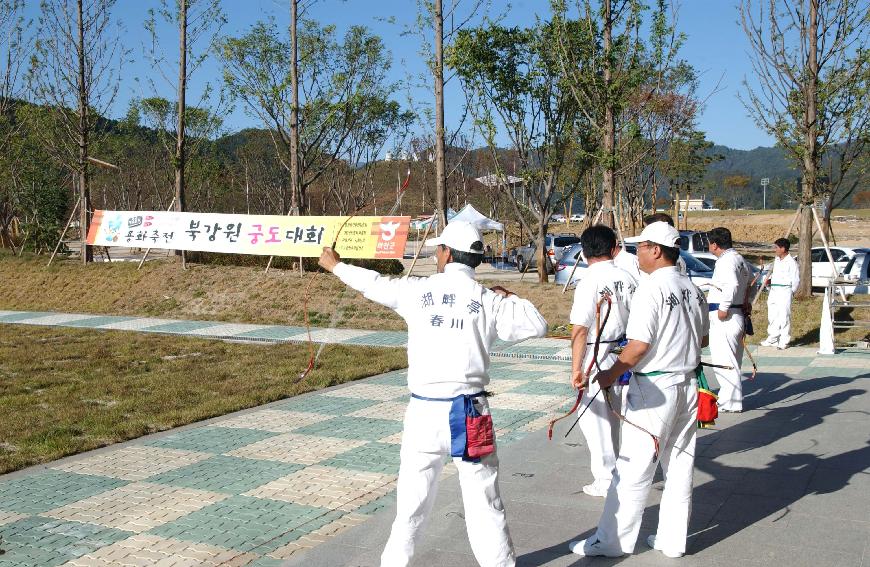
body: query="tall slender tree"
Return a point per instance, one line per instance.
(198, 24)
(809, 87)
(625, 61)
(76, 73)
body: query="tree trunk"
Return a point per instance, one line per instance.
(87, 252)
(440, 169)
(609, 170)
(295, 186)
(811, 149)
(543, 259)
(180, 197)
(826, 221)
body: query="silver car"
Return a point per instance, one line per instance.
(699, 273)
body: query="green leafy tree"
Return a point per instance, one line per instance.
(511, 76)
(339, 81)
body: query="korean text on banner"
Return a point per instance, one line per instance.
(265, 235)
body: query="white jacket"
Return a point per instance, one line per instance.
(731, 277)
(452, 323)
(785, 273)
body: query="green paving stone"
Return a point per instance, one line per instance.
(396, 378)
(371, 457)
(352, 428)
(97, 321)
(509, 373)
(377, 505)
(266, 562)
(276, 332)
(784, 360)
(546, 388)
(45, 542)
(227, 475)
(381, 338)
(330, 405)
(49, 489)
(248, 524)
(181, 326)
(512, 419)
(824, 372)
(211, 439)
(532, 350)
(15, 317)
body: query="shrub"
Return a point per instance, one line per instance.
(388, 267)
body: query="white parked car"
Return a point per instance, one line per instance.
(577, 217)
(557, 217)
(822, 271)
(857, 272)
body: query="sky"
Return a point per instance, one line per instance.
(715, 45)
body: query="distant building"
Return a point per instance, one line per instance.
(694, 205)
(388, 156)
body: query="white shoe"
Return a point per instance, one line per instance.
(594, 549)
(651, 541)
(595, 489)
(782, 346)
(769, 342)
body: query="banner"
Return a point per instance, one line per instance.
(265, 235)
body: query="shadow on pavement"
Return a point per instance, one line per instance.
(741, 496)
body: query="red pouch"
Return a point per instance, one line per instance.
(708, 410)
(480, 438)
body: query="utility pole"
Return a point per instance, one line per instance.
(764, 183)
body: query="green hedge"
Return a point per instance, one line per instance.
(386, 267)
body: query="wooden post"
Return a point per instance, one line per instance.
(62, 234)
(422, 243)
(147, 250)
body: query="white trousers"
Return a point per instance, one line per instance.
(425, 444)
(779, 315)
(599, 426)
(671, 414)
(726, 348)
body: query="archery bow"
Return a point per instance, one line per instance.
(312, 355)
(599, 325)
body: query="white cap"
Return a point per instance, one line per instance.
(459, 235)
(659, 233)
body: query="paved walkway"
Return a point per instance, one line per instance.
(309, 480)
(551, 349)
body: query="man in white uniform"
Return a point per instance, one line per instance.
(783, 281)
(731, 277)
(452, 322)
(627, 261)
(602, 279)
(665, 217)
(667, 328)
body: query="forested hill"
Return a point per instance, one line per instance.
(757, 163)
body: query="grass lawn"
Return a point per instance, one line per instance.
(64, 391)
